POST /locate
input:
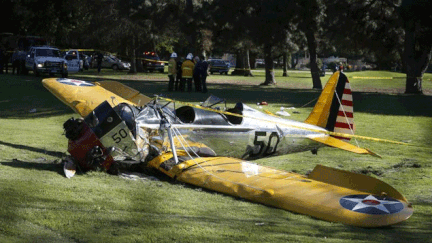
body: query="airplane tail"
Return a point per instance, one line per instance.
(334, 108)
(334, 112)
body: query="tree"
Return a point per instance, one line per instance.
(230, 32)
(387, 31)
(271, 22)
(417, 24)
(310, 18)
(195, 25)
(148, 24)
(54, 20)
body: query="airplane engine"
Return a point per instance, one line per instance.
(85, 147)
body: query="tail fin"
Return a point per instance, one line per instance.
(334, 108)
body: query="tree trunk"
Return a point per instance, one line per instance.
(248, 71)
(269, 72)
(133, 69)
(252, 60)
(417, 58)
(285, 64)
(312, 46)
(242, 67)
(239, 67)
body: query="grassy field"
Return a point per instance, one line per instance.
(38, 204)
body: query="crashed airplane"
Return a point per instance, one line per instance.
(121, 126)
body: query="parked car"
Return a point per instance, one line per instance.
(46, 59)
(151, 62)
(218, 65)
(259, 63)
(114, 63)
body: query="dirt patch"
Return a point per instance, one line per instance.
(369, 170)
(405, 164)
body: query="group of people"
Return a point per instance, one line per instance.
(182, 74)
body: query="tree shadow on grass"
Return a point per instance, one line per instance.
(368, 102)
(18, 102)
(33, 149)
(25, 97)
(42, 164)
(45, 166)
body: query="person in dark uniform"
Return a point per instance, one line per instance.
(15, 62)
(99, 58)
(202, 69)
(196, 75)
(179, 75)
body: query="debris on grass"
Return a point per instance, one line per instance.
(137, 176)
(282, 112)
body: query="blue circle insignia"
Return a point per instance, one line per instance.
(371, 204)
(74, 82)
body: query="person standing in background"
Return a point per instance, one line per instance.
(172, 71)
(99, 58)
(179, 74)
(187, 73)
(196, 76)
(202, 69)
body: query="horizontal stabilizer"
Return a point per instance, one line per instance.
(336, 143)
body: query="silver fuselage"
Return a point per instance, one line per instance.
(257, 135)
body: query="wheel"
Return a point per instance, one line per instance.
(115, 67)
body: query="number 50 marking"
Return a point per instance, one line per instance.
(118, 136)
(267, 144)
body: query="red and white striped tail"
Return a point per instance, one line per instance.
(345, 117)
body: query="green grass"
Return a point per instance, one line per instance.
(38, 204)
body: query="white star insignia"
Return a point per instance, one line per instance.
(371, 202)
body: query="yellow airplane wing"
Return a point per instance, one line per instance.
(328, 194)
(83, 97)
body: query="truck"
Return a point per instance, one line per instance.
(17, 48)
(151, 62)
(46, 59)
(75, 61)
